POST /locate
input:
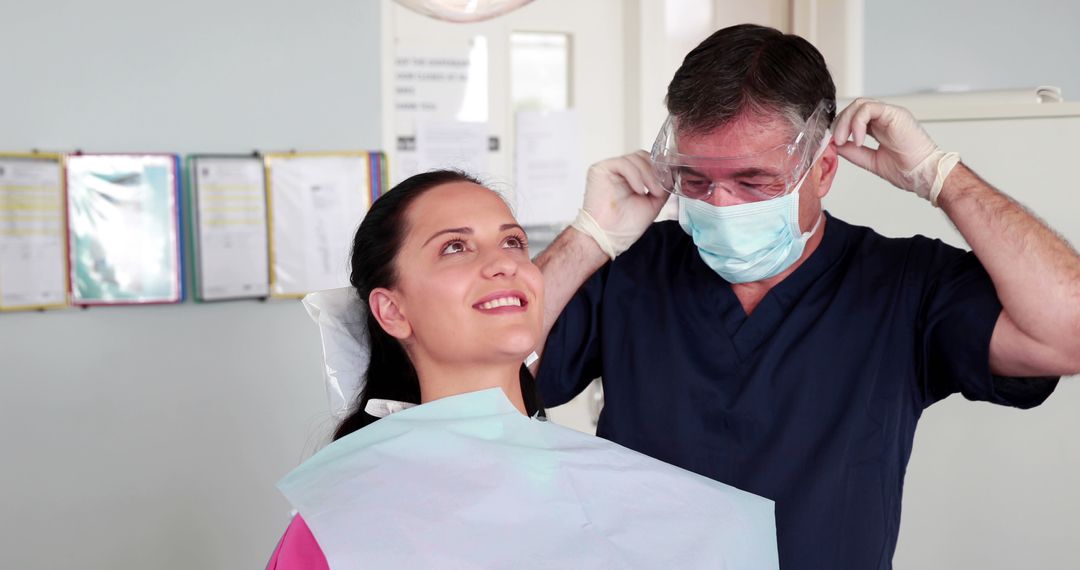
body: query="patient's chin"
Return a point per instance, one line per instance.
(516, 342)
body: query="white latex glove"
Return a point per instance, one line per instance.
(622, 198)
(906, 156)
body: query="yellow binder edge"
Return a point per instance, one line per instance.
(60, 160)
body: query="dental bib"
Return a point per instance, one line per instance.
(469, 482)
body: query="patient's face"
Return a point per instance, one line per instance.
(465, 280)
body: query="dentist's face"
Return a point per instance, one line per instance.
(755, 136)
(466, 284)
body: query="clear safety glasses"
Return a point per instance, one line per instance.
(752, 178)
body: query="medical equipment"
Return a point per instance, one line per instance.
(694, 171)
(462, 11)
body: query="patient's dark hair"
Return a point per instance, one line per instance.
(390, 374)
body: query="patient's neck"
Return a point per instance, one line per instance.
(441, 380)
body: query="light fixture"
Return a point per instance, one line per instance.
(462, 11)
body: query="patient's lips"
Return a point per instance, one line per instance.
(502, 302)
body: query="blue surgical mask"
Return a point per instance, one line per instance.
(747, 242)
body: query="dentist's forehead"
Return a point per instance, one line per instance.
(747, 134)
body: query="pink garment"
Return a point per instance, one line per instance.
(298, 550)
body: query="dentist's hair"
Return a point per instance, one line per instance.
(749, 69)
(390, 374)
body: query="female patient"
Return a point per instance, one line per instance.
(467, 479)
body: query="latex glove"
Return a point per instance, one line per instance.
(622, 198)
(906, 156)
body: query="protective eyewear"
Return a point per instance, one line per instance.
(751, 178)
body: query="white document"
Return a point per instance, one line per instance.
(549, 167)
(435, 81)
(317, 203)
(32, 234)
(230, 214)
(452, 144)
(469, 482)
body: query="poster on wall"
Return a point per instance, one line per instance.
(438, 88)
(549, 167)
(457, 145)
(316, 202)
(124, 229)
(33, 255)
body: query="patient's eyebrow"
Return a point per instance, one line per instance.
(505, 227)
(467, 231)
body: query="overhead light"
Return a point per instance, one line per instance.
(462, 11)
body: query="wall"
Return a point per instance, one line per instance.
(922, 44)
(151, 437)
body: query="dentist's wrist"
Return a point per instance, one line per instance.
(944, 167)
(586, 224)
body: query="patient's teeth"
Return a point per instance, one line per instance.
(501, 302)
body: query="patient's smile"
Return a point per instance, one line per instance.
(502, 303)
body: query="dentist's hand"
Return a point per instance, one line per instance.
(622, 198)
(906, 156)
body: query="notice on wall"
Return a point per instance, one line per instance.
(32, 248)
(230, 215)
(549, 167)
(452, 144)
(435, 83)
(316, 203)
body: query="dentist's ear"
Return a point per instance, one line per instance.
(388, 312)
(827, 166)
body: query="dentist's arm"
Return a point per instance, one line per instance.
(1035, 272)
(622, 198)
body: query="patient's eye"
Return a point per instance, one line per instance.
(516, 242)
(453, 246)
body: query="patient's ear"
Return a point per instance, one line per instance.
(387, 310)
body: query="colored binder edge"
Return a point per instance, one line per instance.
(62, 165)
(193, 221)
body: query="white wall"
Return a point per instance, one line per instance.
(151, 437)
(922, 44)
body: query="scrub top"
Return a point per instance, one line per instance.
(812, 400)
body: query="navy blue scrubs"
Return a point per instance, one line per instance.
(810, 401)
